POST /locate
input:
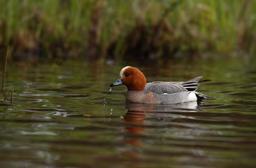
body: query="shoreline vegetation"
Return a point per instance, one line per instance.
(145, 29)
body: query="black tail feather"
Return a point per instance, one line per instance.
(200, 96)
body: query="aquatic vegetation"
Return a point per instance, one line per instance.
(5, 95)
(123, 29)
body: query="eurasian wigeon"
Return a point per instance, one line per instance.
(139, 91)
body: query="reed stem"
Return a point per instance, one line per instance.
(4, 70)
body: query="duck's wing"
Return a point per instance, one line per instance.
(172, 87)
(164, 87)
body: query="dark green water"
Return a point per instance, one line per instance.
(63, 116)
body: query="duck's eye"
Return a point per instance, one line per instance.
(126, 74)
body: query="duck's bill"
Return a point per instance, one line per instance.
(117, 83)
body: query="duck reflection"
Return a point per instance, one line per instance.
(134, 125)
(137, 120)
(136, 113)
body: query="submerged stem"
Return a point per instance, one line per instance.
(4, 69)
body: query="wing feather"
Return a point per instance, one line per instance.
(192, 84)
(172, 87)
(164, 87)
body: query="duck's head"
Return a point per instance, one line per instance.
(132, 78)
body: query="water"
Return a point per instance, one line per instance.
(63, 116)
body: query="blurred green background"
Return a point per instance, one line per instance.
(114, 29)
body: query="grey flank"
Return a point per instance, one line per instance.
(172, 87)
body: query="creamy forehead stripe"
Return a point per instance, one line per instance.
(122, 71)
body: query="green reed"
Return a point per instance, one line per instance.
(7, 95)
(3, 71)
(92, 26)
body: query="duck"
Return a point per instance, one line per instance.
(156, 92)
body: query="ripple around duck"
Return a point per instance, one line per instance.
(5, 104)
(27, 121)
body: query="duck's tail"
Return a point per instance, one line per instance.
(192, 85)
(200, 96)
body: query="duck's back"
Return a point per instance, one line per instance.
(164, 87)
(159, 87)
(173, 92)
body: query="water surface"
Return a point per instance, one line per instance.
(63, 116)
